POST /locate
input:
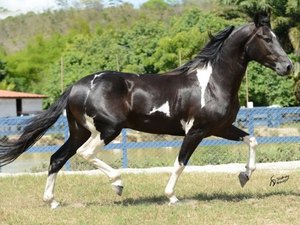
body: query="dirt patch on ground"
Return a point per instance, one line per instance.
(278, 132)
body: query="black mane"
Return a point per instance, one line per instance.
(207, 54)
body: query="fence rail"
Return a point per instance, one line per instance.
(269, 125)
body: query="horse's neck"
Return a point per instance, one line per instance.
(231, 65)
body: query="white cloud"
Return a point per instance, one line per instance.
(41, 5)
(27, 5)
(22, 6)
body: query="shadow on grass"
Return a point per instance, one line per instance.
(200, 197)
(237, 197)
(205, 197)
(158, 200)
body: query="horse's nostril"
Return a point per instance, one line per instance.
(289, 67)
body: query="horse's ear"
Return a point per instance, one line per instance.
(262, 19)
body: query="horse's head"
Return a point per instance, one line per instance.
(263, 47)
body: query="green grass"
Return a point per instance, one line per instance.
(206, 199)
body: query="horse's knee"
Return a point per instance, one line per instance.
(251, 141)
(87, 155)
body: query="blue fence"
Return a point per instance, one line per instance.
(247, 119)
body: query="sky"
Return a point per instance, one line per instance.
(23, 6)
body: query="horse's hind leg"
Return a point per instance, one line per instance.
(57, 161)
(78, 135)
(90, 148)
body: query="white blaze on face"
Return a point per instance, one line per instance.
(164, 108)
(274, 35)
(203, 76)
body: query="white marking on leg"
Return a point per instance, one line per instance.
(89, 150)
(203, 76)
(49, 191)
(164, 108)
(251, 165)
(186, 126)
(169, 190)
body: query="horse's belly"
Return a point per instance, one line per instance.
(155, 125)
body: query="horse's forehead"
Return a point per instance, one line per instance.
(268, 31)
(273, 34)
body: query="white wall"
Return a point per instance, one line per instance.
(8, 107)
(32, 105)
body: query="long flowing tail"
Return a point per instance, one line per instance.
(33, 131)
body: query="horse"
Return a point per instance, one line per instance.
(196, 100)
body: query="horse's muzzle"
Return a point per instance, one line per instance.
(284, 68)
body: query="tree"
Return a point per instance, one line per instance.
(267, 88)
(155, 5)
(285, 16)
(3, 71)
(286, 24)
(250, 7)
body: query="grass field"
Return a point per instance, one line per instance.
(207, 199)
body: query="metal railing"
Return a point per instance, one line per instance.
(275, 126)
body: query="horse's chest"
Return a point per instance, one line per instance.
(220, 114)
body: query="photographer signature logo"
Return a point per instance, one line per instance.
(278, 180)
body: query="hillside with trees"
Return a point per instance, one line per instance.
(44, 53)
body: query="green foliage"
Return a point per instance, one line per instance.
(155, 5)
(28, 67)
(3, 71)
(171, 51)
(91, 38)
(267, 88)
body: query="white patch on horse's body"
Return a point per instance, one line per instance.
(92, 86)
(203, 76)
(95, 77)
(88, 149)
(164, 108)
(86, 98)
(187, 125)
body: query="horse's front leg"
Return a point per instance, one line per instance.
(170, 188)
(190, 142)
(236, 134)
(251, 165)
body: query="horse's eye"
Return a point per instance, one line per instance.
(268, 40)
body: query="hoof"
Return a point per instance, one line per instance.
(118, 189)
(54, 205)
(173, 201)
(244, 178)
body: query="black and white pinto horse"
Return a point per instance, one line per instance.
(196, 100)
